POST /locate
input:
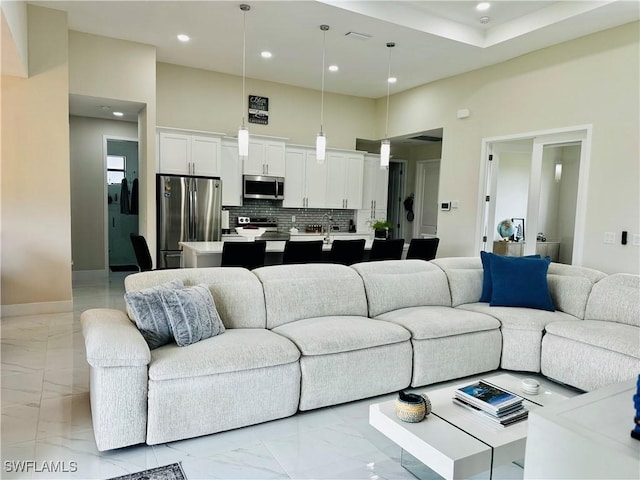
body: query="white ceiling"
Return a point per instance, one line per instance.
(434, 39)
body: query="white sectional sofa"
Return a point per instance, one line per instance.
(300, 337)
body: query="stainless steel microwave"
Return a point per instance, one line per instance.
(263, 187)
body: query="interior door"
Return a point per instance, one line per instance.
(426, 199)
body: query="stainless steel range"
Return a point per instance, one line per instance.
(270, 224)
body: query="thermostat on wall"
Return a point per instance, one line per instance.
(445, 206)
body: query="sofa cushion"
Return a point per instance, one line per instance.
(394, 284)
(570, 287)
(613, 336)
(426, 323)
(336, 334)
(520, 282)
(295, 292)
(147, 310)
(465, 278)
(236, 350)
(192, 314)
(519, 318)
(615, 298)
(236, 292)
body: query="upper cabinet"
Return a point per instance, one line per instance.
(266, 157)
(231, 173)
(185, 153)
(344, 179)
(305, 181)
(376, 182)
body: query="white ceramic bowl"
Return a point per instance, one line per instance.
(250, 233)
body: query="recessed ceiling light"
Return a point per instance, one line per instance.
(482, 6)
(118, 114)
(183, 38)
(392, 80)
(266, 54)
(333, 68)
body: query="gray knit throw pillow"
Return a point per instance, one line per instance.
(149, 314)
(192, 314)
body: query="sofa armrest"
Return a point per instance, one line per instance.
(112, 340)
(119, 357)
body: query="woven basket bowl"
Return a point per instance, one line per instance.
(413, 412)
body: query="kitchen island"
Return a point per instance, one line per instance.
(209, 254)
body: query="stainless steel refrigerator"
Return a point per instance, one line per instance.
(189, 210)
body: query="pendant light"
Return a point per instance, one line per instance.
(243, 132)
(385, 146)
(321, 140)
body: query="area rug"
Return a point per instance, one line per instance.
(168, 472)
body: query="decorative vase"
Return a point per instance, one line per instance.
(381, 233)
(411, 407)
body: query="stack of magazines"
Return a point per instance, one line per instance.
(491, 403)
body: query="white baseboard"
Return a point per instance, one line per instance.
(23, 309)
(88, 277)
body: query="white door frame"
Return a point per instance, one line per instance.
(581, 134)
(419, 194)
(105, 195)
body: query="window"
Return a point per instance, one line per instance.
(116, 168)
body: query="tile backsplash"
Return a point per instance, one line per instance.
(304, 216)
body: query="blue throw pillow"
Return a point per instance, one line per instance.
(487, 285)
(520, 282)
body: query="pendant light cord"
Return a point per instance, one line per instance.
(245, 8)
(386, 127)
(324, 29)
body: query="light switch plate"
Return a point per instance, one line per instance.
(610, 237)
(635, 240)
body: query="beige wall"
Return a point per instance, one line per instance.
(202, 100)
(36, 233)
(591, 80)
(110, 68)
(88, 187)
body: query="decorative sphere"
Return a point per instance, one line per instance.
(506, 228)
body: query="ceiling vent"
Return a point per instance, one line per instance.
(426, 138)
(361, 36)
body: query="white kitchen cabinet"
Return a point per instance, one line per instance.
(189, 154)
(376, 184)
(266, 157)
(231, 173)
(344, 180)
(305, 180)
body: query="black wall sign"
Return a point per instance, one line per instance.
(258, 109)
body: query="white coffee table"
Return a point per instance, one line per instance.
(453, 441)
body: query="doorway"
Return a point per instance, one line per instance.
(538, 181)
(122, 206)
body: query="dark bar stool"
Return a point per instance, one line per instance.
(302, 252)
(386, 249)
(141, 250)
(243, 254)
(423, 248)
(347, 252)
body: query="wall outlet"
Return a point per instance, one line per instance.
(635, 240)
(454, 203)
(293, 219)
(610, 237)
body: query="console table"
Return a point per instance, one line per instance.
(585, 437)
(516, 249)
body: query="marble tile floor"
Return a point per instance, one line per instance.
(46, 419)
